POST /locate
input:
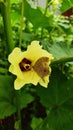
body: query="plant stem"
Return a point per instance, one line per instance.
(6, 13)
(62, 60)
(18, 93)
(22, 22)
(45, 11)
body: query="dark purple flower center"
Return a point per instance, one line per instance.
(25, 65)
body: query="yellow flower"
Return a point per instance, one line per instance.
(30, 66)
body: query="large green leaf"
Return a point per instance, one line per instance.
(60, 50)
(66, 5)
(6, 96)
(58, 99)
(25, 98)
(9, 98)
(37, 18)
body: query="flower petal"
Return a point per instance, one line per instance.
(29, 77)
(35, 51)
(16, 56)
(16, 71)
(18, 83)
(44, 84)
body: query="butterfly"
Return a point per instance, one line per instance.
(41, 67)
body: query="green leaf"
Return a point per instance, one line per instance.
(36, 122)
(60, 50)
(58, 99)
(17, 125)
(25, 98)
(6, 109)
(6, 96)
(27, 36)
(15, 1)
(37, 18)
(1, 0)
(66, 5)
(3, 70)
(15, 17)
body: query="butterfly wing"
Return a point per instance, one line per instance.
(41, 67)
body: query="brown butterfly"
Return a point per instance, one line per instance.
(41, 67)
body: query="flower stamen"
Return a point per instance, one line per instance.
(25, 65)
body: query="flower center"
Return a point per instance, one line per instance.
(25, 65)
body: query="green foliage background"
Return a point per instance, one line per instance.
(51, 108)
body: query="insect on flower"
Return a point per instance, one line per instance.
(30, 66)
(41, 67)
